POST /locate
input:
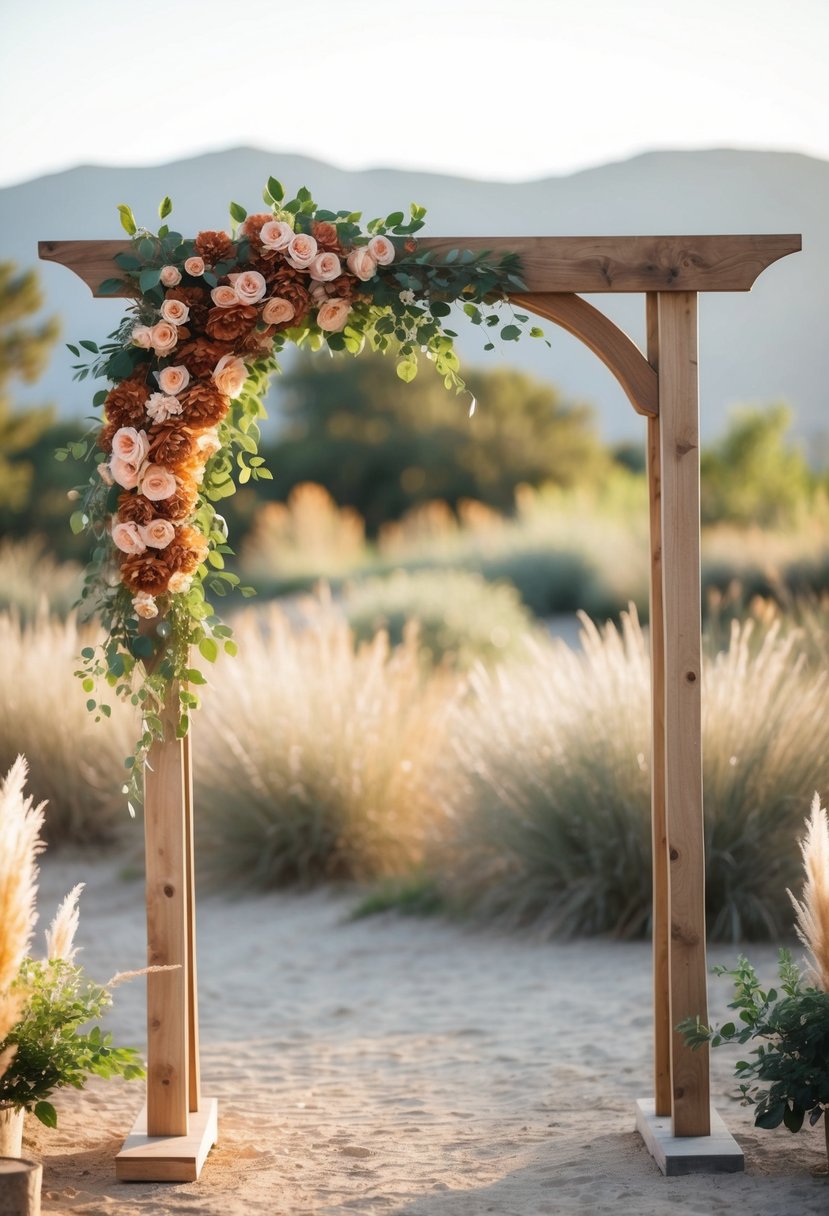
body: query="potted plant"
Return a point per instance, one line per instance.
(786, 1076)
(49, 1010)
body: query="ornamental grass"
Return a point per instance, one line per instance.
(316, 759)
(31, 580)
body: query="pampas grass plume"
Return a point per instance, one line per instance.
(60, 936)
(812, 911)
(20, 843)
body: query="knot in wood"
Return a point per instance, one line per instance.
(169, 890)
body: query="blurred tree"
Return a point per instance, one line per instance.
(752, 475)
(24, 349)
(384, 447)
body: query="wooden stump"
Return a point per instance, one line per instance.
(20, 1182)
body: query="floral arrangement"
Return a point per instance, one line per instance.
(188, 367)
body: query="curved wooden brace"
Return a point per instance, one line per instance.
(615, 349)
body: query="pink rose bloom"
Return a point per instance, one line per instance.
(160, 407)
(170, 276)
(362, 264)
(194, 266)
(173, 380)
(224, 296)
(277, 310)
(175, 312)
(142, 336)
(164, 337)
(208, 444)
(128, 538)
(124, 472)
(229, 375)
(157, 534)
(249, 285)
(157, 483)
(333, 315)
(144, 605)
(382, 250)
(180, 582)
(130, 444)
(276, 234)
(325, 267)
(301, 251)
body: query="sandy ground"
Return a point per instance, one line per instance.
(401, 1066)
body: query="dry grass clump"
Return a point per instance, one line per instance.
(316, 759)
(309, 536)
(812, 911)
(547, 799)
(31, 580)
(75, 763)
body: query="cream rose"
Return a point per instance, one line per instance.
(158, 482)
(128, 538)
(145, 605)
(194, 266)
(208, 444)
(277, 310)
(173, 380)
(333, 315)
(170, 276)
(325, 267)
(175, 312)
(229, 375)
(224, 296)
(362, 264)
(157, 534)
(276, 234)
(381, 249)
(180, 582)
(249, 285)
(301, 251)
(124, 472)
(160, 407)
(163, 337)
(142, 336)
(131, 445)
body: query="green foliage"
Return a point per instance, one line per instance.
(788, 1078)
(55, 1045)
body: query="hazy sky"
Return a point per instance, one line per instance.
(513, 90)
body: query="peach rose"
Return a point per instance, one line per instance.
(325, 267)
(128, 538)
(207, 444)
(180, 582)
(194, 266)
(362, 264)
(276, 234)
(381, 249)
(170, 276)
(224, 296)
(175, 311)
(173, 380)
(130, 445)
(277, 310)
(158, 482)
(229, 375)
(142, 336)
(157, 534)
(145, 605)
(160, 407)
(333, 315)
(301, 251)
(163, 337)
(124, 472)
(249, 285)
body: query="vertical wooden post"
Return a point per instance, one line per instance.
(167, 903)
(660, 926)
(192, 983)
(679, 432)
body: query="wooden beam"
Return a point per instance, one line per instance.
(193, 1060)
(147, 1158)
(615, 349)
(660, 927)
(679, 433)
(552, 263)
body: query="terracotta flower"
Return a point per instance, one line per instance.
(201, 355)
(185, 551)
(228, 324)
(145, 572)
(181, 503)
(215, 247)
(125, 404)
(171, 444)
(197, 300)
(204, 406)
(325, 234)
(135, 508)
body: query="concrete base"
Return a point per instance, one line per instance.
(718, 1153)
(168, 1158)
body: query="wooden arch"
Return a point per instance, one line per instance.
(175, 1132)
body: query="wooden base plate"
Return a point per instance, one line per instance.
(718, 1153)
(168, 1158)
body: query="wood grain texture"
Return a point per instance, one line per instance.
(679, 432)
(194, 1066)
(552, 263)
(604, 338)
(661, 911)
(148, 1158)
(20, 1185)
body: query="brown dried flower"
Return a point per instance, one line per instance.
(171, 444)
(214, 247)
(135, 508)
(145, 572)
(197, 300)
(126, 402)
(182, 503)
(201, 356)
(185, 551)
(325, 234)
(203, 406)
(230, 324)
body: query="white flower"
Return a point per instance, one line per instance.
(407, 297)
(160, 407)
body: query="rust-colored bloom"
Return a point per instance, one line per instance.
(135, 508)
(325, 234)
(290, 285)
(145, 572)
(185, 551)
(215, 247)
(230, 324)
(260, 341)
(201, 356)
(181, 504)
(251, 228)
(126, 402)
(343, 287)
(203, 406)
(171, 444)
(197, 300)
(106, 435)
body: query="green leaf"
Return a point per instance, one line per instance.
(111, 287)
(535, 332)
(165, 207)
(407, 370)
(73, 349)
(510, 333)
(771, 1118)
(238, 213)
(793, 1118)
(90, 346)
(276, 190)
(46, 1113)
(127, 219)
(394, 219)
(231, 648)
(209, 650)
(149, 278)
(88, 653)
(728, 1029)
(77, 522)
